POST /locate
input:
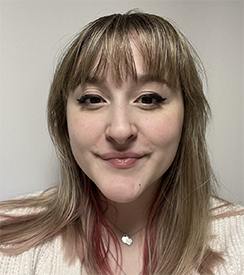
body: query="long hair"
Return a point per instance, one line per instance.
(180, 218)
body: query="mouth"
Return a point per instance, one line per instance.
(121, 160)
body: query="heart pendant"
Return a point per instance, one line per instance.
(127, 240)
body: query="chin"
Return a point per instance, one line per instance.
(122, 200)
(121, 196)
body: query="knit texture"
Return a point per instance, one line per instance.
(229, 239)
(48, 258)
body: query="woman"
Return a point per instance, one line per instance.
(128, 116)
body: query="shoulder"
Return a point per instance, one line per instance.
(20, 206)
(28, 204)
(228, 222)
(47, 258)
(228, 236)
(220, 207)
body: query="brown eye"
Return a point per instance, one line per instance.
(150, 99)
(90, 99)
(95, 99)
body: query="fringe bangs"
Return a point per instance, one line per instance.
(106, 48)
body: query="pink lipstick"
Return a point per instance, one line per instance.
(122, 160)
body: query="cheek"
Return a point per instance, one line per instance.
(166, 131)
(82, 132)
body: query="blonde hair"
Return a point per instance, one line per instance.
(182, 230)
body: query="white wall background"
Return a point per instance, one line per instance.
(32, 36)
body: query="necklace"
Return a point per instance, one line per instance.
(119, 264)
(126, 238)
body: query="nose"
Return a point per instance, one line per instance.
(121, 127)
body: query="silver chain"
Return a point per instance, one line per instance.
(130, 235)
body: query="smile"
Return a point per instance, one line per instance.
(122, 161)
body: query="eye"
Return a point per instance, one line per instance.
(150, 100)
(91, 100)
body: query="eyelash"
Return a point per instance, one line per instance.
(84, 99)
(155, 99)
(158, 100)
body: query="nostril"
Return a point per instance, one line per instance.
(121, 135)
(120, 140)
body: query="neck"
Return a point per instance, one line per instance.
(132, 216)
(130, 219)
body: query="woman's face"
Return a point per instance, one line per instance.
(125, 136)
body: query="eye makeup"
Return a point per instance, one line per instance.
(90, 99)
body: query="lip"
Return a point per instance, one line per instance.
(122, 160)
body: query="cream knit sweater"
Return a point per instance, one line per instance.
(47, 259)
